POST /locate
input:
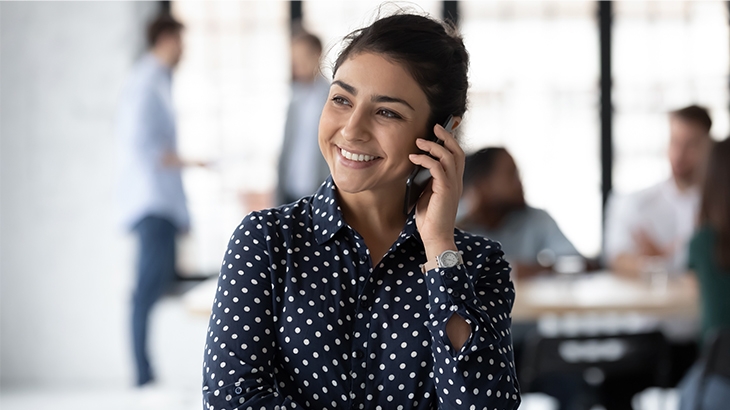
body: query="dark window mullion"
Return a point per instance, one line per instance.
(605, 17)
(450, 12)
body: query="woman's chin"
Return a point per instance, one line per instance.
(350, 185)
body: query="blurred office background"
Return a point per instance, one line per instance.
(536, 88)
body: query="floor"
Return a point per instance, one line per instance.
(159, 398)
(177, 352)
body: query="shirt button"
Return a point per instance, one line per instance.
(358, 354)
(448, 274)
(364, 304)
(239, 390)
(455, 294)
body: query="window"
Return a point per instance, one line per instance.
(534, 90)
(666, 55)
(332, 20)
(230, 92)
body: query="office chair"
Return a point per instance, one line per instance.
(595, 362)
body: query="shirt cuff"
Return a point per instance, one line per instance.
(450, 285)
(452, 291)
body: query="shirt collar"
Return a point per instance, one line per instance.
(328, 220)
(326, 212)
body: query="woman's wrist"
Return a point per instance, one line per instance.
(434, 249)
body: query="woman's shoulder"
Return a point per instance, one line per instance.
(703, 236)
(293, 214)
(536, 215)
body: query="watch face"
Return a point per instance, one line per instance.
(449, 259)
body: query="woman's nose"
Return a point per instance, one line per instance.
(357, 127)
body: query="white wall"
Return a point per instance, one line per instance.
(65, 267)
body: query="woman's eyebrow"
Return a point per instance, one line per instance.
(376, 98)
(350, 89)
(385, 98)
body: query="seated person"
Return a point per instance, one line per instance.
(494, 206)
(656, 224)
(709, 258)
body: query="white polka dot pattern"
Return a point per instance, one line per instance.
(302, 320)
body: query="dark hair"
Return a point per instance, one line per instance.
(162, 24)
(715, 206)
(480, 164)
(431, 51)
(308, 38)
(694, 114)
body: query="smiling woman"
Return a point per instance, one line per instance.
(342, 300)
(376, 110)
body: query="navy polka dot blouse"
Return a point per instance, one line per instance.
(302, 320)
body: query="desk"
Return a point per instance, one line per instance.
(603, 292)
(199, 299)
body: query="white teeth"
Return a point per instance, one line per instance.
(355, 157)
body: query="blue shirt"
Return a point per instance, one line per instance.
(302, 167)
(525, 233)
(302, 319)
(146, 132)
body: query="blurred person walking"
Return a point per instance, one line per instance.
(302, 167)
(709, 258)
(656, 224)
(153, 201)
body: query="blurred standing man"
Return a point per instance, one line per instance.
(302, 169)
(656, 224)
(152, 197)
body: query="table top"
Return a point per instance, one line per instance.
(199, 300)
(605, 292)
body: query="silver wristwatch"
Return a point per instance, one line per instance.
(449, 259)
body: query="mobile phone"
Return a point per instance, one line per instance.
(418, 179)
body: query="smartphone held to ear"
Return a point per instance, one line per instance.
(419, 178)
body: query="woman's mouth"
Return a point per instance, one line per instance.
(356, 157)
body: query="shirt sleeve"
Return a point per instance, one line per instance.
(149, 127)
(482, 373)
(555, 239)
(238, 367)
(619, 224)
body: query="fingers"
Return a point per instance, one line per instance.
(450, 154)
(450, 142)
(433, 165)
(439, 152)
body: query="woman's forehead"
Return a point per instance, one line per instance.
(375, 73)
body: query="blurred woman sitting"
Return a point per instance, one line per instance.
(493, 205)
(709, 257)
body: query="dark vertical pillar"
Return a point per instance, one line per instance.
(605, 16)
(295, 14)
(450, 12)
(166, 7)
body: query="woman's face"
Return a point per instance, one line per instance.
(370, 123)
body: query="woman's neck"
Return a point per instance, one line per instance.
(377, 216)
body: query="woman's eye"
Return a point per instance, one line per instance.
(388, 114)
(339, 100)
